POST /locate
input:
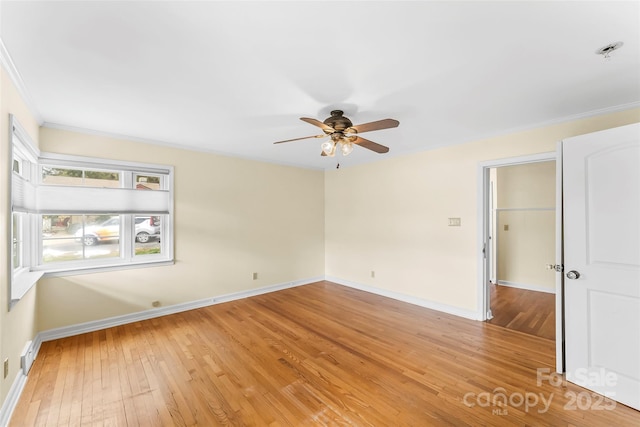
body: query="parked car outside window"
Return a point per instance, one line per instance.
(146, 228)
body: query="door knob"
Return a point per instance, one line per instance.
(573, 275)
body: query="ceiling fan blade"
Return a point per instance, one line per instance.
(373, 146)
(297, 139)
(377, 125)
(318, 123)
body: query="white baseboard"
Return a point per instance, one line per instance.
(526, 286)
(456, 311)
(11, 400)
(30, 352)
(81, 328)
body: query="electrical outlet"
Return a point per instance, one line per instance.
(6, 367)
(373, 274)
(155, 304)
(255, 276)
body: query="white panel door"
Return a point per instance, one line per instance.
(601, 198)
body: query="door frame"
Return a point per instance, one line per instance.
(484, 243)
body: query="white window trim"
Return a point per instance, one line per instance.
(103, 164)
(24, 278)
(127, 258)
(21, 279)
(101, 268)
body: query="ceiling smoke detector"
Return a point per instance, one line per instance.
(606, 50)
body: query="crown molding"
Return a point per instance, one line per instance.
(524, 128)
(575, 117)
(14, 75)
(159, 143)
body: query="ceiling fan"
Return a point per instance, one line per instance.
(344, 134)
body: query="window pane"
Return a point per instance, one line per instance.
(59, 176)
(101, 178)
(148, 235)
(77, 237)
(147, 182)
(80, 177)
(17, 245)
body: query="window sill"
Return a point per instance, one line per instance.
(21, 283)
(73, 271)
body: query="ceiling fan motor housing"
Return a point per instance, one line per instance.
(338, 122)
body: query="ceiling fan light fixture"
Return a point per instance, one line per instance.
(346, 147)
(328, 147)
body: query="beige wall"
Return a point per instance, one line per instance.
(527, 245)
(233, 217)
(526, 248)
(530, 185)
(391, 216)
(17, 326)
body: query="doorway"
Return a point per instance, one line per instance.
(522, 236)
(485, 223)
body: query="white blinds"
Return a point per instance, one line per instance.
(23, 194)
(58, 199)
(52, 199)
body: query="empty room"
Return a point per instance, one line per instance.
(279, 213)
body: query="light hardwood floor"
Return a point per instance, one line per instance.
(522, 310)
(320, 354)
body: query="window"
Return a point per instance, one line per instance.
(24, 158)
(75, 214)
(92, 213)
(70, 238)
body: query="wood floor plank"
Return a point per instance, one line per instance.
(320, 354)
(523, 310)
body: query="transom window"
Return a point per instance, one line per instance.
(80, 177)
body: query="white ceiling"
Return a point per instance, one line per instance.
(233, 77)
